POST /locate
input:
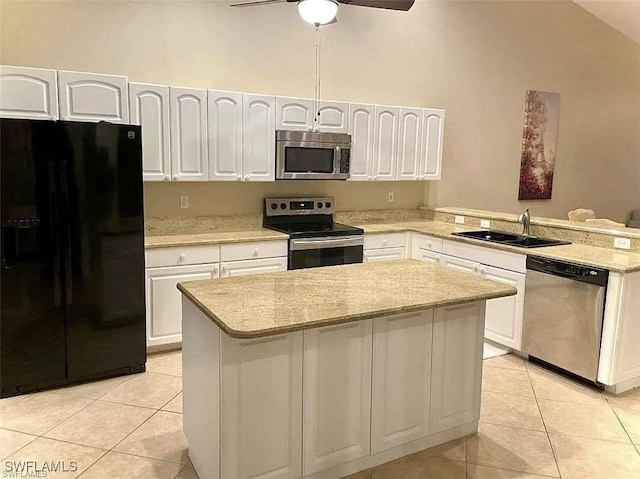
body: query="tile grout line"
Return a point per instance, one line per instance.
(623, 426)
(553, 451)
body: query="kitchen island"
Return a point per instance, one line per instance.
(324, 372)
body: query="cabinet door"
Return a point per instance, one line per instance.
(409, 144)
(252, 266)
(383, 254)
(427, 256)
(334, 116)
(189, 134)
(164, 301)
(456, 373)
(149, 107)
(28, 93)
(337, 395)
(258, 137)
(504, 315)
(432, 144)
(261, 407)
(385, 142)
(401, 379)
(361, 126)
(225, 135)
(458, 264)
(93, 97)
(294, 114)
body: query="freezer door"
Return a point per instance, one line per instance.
(104, 249)
(32, 349)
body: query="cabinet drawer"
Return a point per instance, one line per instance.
(384, 240)
(383, 254)
(255, 249)
(491, 257)
(430, 243)
(178, 256)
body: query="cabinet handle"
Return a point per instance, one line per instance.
(256, 252)
(384, 242)
(239, 178)
(176, 177)
(181, 258)
(167, 177)
(370, 178)
(215, 270)
(224, 269)
(246, 178)
(430, 245)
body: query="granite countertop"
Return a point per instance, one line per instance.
(268, 304)
(611, 259)
(217, 236)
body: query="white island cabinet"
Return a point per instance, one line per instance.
(304, 382)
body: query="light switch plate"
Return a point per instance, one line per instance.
(459, 220)
(485, 224)
(184, 202)
(622, 243)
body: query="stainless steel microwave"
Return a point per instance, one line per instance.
(305, 155)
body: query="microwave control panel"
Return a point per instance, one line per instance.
(345, 155)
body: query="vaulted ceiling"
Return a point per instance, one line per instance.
(623, 15)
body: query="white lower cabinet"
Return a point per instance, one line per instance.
(252, 266)
(504, 315)
(383, 254)
(261, 407)
(457, 366)
(401, 384)
(337, 395)
(164, 301)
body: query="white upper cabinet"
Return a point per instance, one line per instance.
(410, 143)
(385, 142)
(28, 93)
(334, 116)
(93, 97)
(149, 107)
(432, 144)
(361, 126)
(258, 137)
(225, 135)
(294, 113)
(189, 160)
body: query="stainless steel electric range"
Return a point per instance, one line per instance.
(314, 239)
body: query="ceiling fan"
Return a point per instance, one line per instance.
(322, 12)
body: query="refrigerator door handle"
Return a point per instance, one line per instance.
(53, 219)
(67, 233)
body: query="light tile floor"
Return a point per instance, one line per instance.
(534, 424)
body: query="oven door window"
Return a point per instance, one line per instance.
(313, 258)
(308, 160)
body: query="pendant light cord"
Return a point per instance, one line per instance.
(317, 85)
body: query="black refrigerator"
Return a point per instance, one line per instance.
(72, 302)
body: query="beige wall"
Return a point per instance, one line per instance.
(225, 198)
(475, 59)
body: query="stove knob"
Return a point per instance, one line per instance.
(328, 204)
(283, 206)
(319, 204)
(274, 206)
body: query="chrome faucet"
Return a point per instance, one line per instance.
(525, 219)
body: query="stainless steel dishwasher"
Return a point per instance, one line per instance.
(563, 313)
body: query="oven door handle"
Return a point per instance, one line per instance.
(326, 242)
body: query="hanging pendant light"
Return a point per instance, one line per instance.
(318, 12)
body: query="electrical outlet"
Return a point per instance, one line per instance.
(485, 224)
(184, 202)
(459, 220)
(390, 197)
(622, 243)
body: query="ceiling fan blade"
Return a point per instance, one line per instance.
(403, 5)
(256, 3)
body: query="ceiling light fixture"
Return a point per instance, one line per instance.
(318, 12)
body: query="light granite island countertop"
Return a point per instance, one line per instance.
(324, 372)
(262, 305)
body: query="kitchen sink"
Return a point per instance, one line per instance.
(511, 239)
